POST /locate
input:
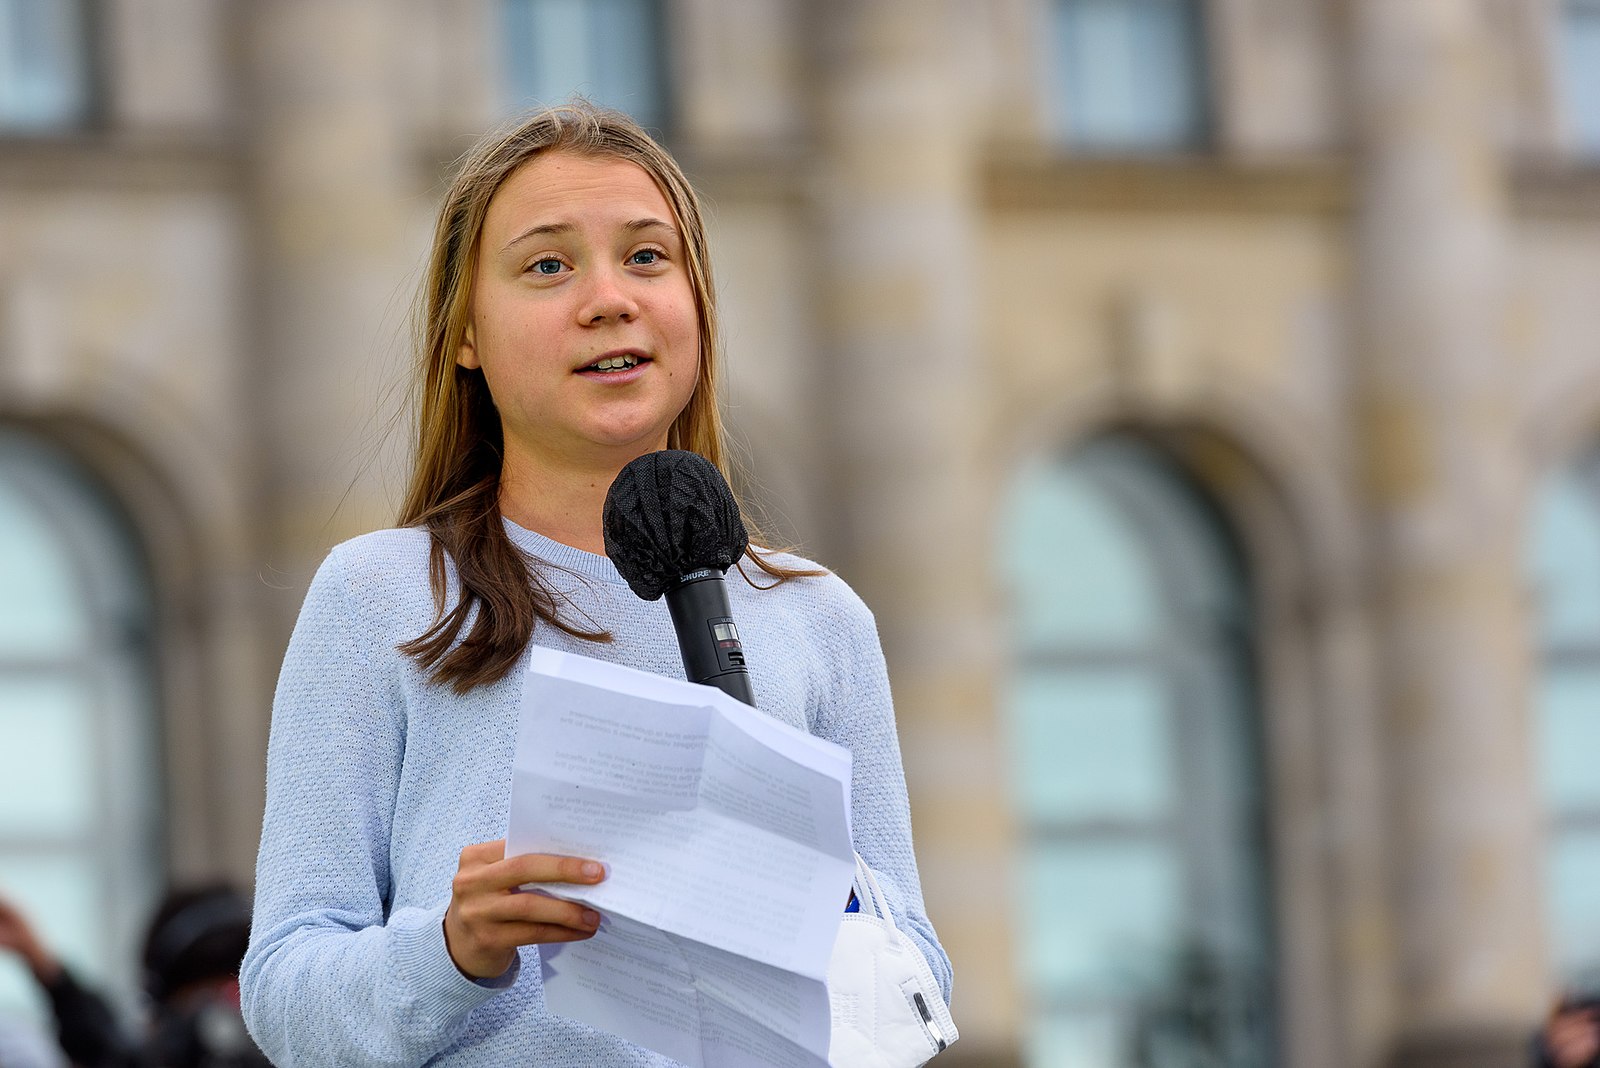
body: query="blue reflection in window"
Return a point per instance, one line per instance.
(611, 51)
(1580, 72)
(44, 65)
(1143, 908)
(1128, 75)
(1565, 563)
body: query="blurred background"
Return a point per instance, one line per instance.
(1205, 394)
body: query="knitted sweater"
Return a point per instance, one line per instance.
(376, 779)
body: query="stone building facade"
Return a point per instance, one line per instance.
(1338, 303)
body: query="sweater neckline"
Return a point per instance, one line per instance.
(590, 565)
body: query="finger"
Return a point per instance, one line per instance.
(484, 911)
(540, 909)
(475, 872)
(531, 934)
(544, 868)
(496, 927)
(483, 853)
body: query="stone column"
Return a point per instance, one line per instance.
(900, 272)
(337, 250)
(1441, 470)
(330, 256)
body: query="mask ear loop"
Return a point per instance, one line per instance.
(868, 892)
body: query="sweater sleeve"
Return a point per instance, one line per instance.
(332, 977)
(858, 714)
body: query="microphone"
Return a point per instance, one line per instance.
(672, 527)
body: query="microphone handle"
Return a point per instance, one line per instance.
(707, 637)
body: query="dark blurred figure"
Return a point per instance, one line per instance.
(191, 977)
(1570, 1038)
(191, 973)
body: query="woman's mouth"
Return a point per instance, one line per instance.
(611, 365)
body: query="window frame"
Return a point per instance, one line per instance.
(1224, 642)
(1553, 655)
(116, 662)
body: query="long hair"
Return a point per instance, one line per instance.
(455, 483)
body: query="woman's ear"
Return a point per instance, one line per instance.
(467, 353)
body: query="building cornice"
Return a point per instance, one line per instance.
(1024, 181)
(1556, 191)
(783, 171)
(159, 164)
(1020, 180)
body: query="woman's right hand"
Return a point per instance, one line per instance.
(489, 917)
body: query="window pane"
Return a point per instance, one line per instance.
(547, 57)
(1098, 916)
(1566, 560)
(1076, 1039)
(1129, 73)
(1569, 723)
(43, 612)
(1092, 745)
(1581, 72)
(46, 752)
(43, 69)
(1573, 874)
(628, 46)
(607, 50)
(1106, 598)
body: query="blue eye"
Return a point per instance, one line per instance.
(645, 257)
(548, 265)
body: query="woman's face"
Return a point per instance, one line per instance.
(582, 316)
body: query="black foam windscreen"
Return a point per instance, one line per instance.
(668, 514)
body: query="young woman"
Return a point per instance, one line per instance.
(569, 326)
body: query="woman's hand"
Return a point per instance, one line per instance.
(489, 918)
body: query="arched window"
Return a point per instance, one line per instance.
(1143, 919)
(1566, 569)
(80, 841)
(611, 51)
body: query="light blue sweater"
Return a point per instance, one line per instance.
(376, 779)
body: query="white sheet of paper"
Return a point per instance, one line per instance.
(727, 844)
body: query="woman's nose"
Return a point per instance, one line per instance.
(607, 298)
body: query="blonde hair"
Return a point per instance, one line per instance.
(454, 490)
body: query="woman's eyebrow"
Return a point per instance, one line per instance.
(647, 224)
(543, 229)
(537, 231)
